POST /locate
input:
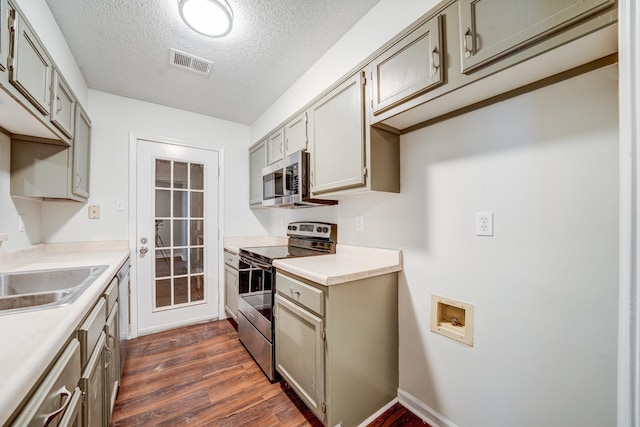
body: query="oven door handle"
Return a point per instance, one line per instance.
(255, 263)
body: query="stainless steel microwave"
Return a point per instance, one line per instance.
(285, 184)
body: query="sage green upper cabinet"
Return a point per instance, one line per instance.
(275, 146)
(409, 68)
(290, 138)
(257, 161)
(30, 66)
(491, 29)
(63, 105)
(295, 134)
(81, 154)
(4, 35)
(337, 124)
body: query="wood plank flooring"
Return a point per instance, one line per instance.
(202, 376)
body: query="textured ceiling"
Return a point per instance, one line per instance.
(122, 47)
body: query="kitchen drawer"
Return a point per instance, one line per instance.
(231, 259)
(54, 396)
(90, 331)
(305, 295)
(111, 295)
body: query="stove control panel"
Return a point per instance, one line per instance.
(322, 230)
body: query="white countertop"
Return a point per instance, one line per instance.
(31, 340)
(349, 263)
(234, 244)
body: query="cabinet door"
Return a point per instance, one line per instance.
(93, 386)
(491, 29)
(338, 138)
(231, 294)
(410, 68)
(295, 135)
(112, 360)
(73, 415)
(300, 352)
(30, 69)
(275, 146)
(63, 105)
(4, 34)
(257, 161)
(54, 396)
(81, 154)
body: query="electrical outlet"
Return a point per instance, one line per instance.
(484, 223)
(359, 223)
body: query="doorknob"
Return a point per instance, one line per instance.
(143, 250)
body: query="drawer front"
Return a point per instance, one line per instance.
(54, 396)
(89, 332)
(305, 295)
(111, 294)
(231, 259)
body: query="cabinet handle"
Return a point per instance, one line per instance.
(64, 394)
(435, 59)
(294, 294)
(59, 105)
(78, 180)
(468, 47)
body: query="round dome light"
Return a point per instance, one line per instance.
(211, 18)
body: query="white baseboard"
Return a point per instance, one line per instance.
(168, 326)
(424, 411)
(378, 413)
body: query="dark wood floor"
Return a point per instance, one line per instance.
(202, 376)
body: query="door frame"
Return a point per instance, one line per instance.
(133, 216)
(629, 270)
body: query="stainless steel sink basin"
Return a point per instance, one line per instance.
(33, 290)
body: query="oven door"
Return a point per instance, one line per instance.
(255, 299)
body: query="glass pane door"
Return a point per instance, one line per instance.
(179, 245)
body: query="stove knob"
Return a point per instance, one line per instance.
(325, 229)
(319, 229)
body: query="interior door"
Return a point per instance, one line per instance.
(177, 235)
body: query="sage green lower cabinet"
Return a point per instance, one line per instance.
(231, 277)
(337, 346)
(73, 415)
(112, 360)
(53, 397)
(92, 385)
(81, 388)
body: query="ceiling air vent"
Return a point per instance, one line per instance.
(190, 62)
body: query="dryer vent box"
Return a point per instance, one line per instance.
(452, 319)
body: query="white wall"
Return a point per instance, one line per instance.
(12, 207)
(113, 119)
(544, 287)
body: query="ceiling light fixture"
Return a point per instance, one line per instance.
(211, 18)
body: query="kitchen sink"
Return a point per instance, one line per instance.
(33, 290)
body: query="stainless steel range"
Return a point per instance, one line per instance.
(257, 285)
